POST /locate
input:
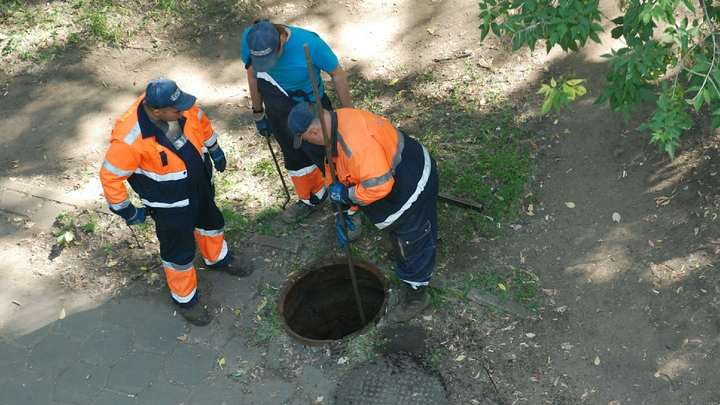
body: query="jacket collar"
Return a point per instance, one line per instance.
(147, 128)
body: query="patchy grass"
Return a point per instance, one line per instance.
(471, 130)
(518, 284)
(268, 325)
(37, 32)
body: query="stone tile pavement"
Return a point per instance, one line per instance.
(132, 349)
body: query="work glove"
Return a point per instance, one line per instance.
(341, 235)
(339, 193)
(218, 157)
(263, 126)
(138, 218)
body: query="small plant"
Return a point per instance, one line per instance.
(560, 93)
(91, 225)
(65, 238)
(264, 167)
(63, 220)
(437, 356)
(100, 27)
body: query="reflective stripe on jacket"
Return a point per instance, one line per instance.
(141, 153)
(386, 170)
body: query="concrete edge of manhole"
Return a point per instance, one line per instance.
(392, 379)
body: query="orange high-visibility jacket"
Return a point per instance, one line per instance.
(140, 153)
(385, 170)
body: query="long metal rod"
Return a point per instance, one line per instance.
(328, 156)
(277, 166)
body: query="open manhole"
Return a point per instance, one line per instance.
(317, 304)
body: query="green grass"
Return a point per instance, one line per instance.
(268, 325)
(264, 167)
(482, 153)
(36, 31)
(517, 284)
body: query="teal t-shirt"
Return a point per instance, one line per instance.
(291, 71)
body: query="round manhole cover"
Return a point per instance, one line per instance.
(395, 379)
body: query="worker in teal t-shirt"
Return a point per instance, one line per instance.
(278, 79)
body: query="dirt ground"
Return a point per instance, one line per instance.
(629, 309)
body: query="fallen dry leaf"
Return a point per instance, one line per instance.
(460, 358)
(651, 243)
(182, 337)
(570, 204)
(616, 217)
(62, 314)
(221, 362)
(597, 361)
(661, 201)
(392, 82)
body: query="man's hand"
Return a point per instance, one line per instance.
(340, 233)
(138, 218)
(339, 193)
(218, 157)
(263, 126)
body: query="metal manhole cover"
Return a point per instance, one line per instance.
(395, 379)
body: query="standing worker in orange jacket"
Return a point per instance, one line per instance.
(392, 179)
(165, 147)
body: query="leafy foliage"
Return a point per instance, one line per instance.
(676, 69)
(561, 93)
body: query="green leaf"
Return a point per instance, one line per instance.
(543, 89)
(546, 106)
(689, 5)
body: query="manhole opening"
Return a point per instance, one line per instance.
(317, 305)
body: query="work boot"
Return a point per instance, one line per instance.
(236, 267)
(300, 210)
(197, 315)
(357, 233)
(409, 303)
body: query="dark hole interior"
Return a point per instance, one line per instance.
(321, 305)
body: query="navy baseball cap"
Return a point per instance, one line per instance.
(263, 40)
(163, 93)
(299, 120)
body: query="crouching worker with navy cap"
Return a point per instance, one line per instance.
(165, 147)
(392, 179)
